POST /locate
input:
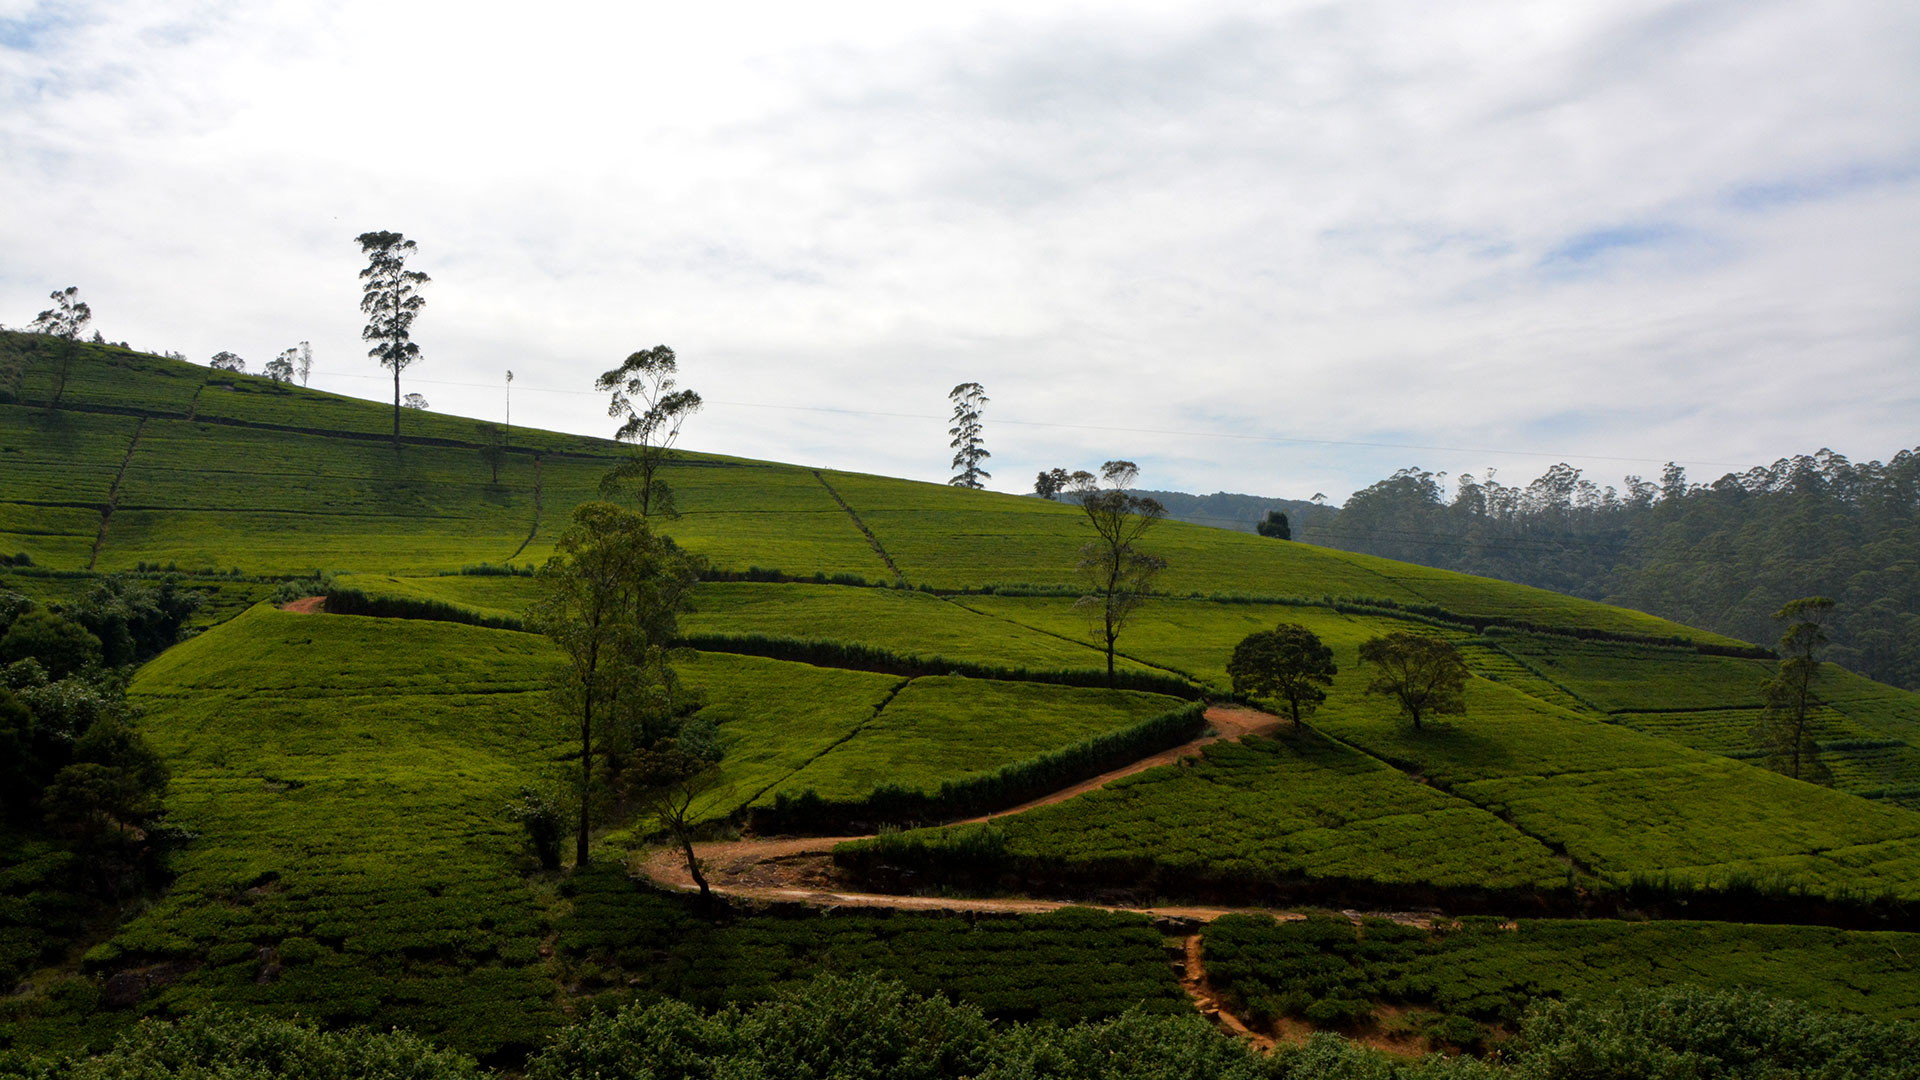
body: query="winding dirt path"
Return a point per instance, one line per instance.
(800, 870)
(789, 869)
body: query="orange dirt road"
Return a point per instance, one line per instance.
(800, 869)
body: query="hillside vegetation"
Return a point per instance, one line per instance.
(892, 656)
(1723, 555)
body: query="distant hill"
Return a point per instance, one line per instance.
(1226, 510)
(1723, 555)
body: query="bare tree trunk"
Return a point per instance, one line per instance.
(693, 867)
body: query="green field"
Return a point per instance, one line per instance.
(1258, 818)
(624, 944)
(1484, 971)
(345, 778)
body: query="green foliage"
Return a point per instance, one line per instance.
(220, 1045)
(1254, 819)
(869, 658)
(622, 942)
(1485, 971)
(58, 644)
(1723, 555)
(1423, 672)
(971, 741)
(1288, 663)
(1728, 1035)
(135, 619)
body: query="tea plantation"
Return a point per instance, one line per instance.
(890, 655)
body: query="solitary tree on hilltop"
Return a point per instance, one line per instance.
(226, 361)
(969, 448)
(391, 300)
(1051, 482)
(645, 394)
(280, 368)
(66, 320)
(303, 362)
(1290, 663)
(1120, 576)
(1423, 672)
(1782, 730)
(414, 401)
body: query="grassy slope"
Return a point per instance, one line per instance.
(230, 472)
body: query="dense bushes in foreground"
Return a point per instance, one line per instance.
(873, 1029)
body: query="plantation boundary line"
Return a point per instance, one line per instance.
(864, 531)
(1506, 816)
(329, 433)
(830, 747)
(113, 493)
(1548, 679)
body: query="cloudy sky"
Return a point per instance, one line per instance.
(1281, 248)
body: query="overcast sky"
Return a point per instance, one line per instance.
(1274, 248)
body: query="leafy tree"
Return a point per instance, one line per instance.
(133, 619)
(60, 645)
(303, 362)
(1423, 672)
(1275, 526)
(1290, 663)
(391, 300)
(280, 368)
(1119, 575)
(969, 448)
(540, 814)
(652, 409)
(613, 591)
(414, 401)
(66, 320)
(667, 782)
(20, 781)
(226, 361)
(1051, 482)
(1782, 730)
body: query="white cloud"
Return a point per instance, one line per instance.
(1607, 232)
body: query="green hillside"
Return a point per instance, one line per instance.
(895, 652)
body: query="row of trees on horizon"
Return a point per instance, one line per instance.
(1724, 555)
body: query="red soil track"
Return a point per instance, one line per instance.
(799, 869)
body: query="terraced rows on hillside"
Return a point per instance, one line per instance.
(346, 777)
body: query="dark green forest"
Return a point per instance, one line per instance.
(1723, 555)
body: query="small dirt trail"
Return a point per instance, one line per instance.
(1229, 722)
(1193, 979)
(801, 870)
(306, 605)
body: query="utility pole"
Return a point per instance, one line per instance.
(509, 437)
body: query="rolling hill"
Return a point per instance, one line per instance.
(864, 642)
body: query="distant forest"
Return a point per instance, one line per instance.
(1724, 556)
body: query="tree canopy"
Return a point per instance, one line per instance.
(1119, 575)
(646, 397)
(1289, 663)
(391, 299)
(1423, 672)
